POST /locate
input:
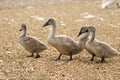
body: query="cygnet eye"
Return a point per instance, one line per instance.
(85, 31)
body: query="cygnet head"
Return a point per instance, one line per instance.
(50, 21)
(92, 29)
(83, 29)
(23, 27)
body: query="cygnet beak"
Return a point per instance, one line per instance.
(79, 33)
(46, 24)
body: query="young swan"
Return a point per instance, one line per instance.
(64, 44)
(84, 30)
(30, 44)
(105, 3)
(98, 48)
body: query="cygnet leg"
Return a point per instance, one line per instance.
(93, 55)
(70, 56)
(58, 57)
(102, 59)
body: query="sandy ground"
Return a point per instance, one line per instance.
(70, 16)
